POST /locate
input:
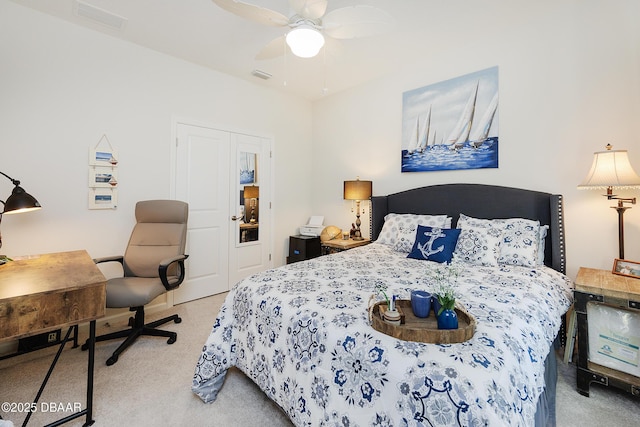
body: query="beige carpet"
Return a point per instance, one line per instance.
(150, 385)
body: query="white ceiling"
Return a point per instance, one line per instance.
(199, 31)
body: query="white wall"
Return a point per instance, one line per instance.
(569, 84)
(62, 87)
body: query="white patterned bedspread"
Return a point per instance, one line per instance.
(301, 332)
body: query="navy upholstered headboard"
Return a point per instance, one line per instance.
(480, 201)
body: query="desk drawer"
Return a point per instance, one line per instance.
(28, 315)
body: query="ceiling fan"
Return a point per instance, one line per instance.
(309, 23)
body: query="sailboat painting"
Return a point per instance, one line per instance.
(451, 124)
(247, 163)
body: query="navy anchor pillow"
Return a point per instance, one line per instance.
(434, 244)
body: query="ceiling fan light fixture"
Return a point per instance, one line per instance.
(305, 41)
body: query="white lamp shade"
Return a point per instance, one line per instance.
(611, 168)
(305, 41)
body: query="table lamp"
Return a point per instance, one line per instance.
(357, 190)
(19, 201)
(611, 168)
(252, 192)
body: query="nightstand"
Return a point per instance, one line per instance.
(602, 298)
(339, 245)
(302, 248)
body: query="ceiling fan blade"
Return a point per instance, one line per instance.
(273, 49)
(310, 9)
(254, 13)
(356, 21)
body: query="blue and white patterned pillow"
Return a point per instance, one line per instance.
(479, 246)
(434, 244)
(399, 230)
(520, 241)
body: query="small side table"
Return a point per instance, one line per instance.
(302, 248)
(339, 245)
(603, 287)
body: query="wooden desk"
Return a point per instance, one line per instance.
(50, 291)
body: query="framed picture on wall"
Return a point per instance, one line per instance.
(247, 162)
(103, 198)
(452, 124)
(103, 157)
(102, 176)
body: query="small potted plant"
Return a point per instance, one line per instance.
(446, 278)
(446, 315)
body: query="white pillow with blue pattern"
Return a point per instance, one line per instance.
(399, 230)
(520, 240)
(479, 246)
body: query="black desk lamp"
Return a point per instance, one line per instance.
(19, 201)
(610, 169)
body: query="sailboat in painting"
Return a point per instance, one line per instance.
(424, 138)
(484, 125)
(419, 144)
(461, 131)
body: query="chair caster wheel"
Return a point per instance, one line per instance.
(171, 340)
(178, 320)
(112, 360)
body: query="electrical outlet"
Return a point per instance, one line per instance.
(52, 337)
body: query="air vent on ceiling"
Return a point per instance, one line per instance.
(100, 15)
(261, 74)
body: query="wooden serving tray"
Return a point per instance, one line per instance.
(420, 329)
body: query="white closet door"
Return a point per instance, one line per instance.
(202, 180)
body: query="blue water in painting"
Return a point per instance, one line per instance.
(441, 157)
(247, 176)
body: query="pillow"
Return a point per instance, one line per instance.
(434, 244)
(479, 246)
(541, 243)
(520, 238)
(519, 244)
(399, 230)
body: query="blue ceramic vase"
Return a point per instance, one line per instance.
(448, 319)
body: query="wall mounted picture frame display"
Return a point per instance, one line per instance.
(624, 267)
(452, 124)
(103, 175)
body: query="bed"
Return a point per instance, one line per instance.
(302, 331)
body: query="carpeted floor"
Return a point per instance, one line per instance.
(150, 385)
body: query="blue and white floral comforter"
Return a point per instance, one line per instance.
(301, 332)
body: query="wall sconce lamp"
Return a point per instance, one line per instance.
(19, 201)
(611, 168)
(252, 192)
(357, 190)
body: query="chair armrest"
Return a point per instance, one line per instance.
(116, 258)
(164, 266)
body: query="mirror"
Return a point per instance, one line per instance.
(249, 197)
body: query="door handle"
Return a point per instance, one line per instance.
(234, 218)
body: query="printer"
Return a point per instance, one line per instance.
(314, 227)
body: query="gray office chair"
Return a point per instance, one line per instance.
(153, 264)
